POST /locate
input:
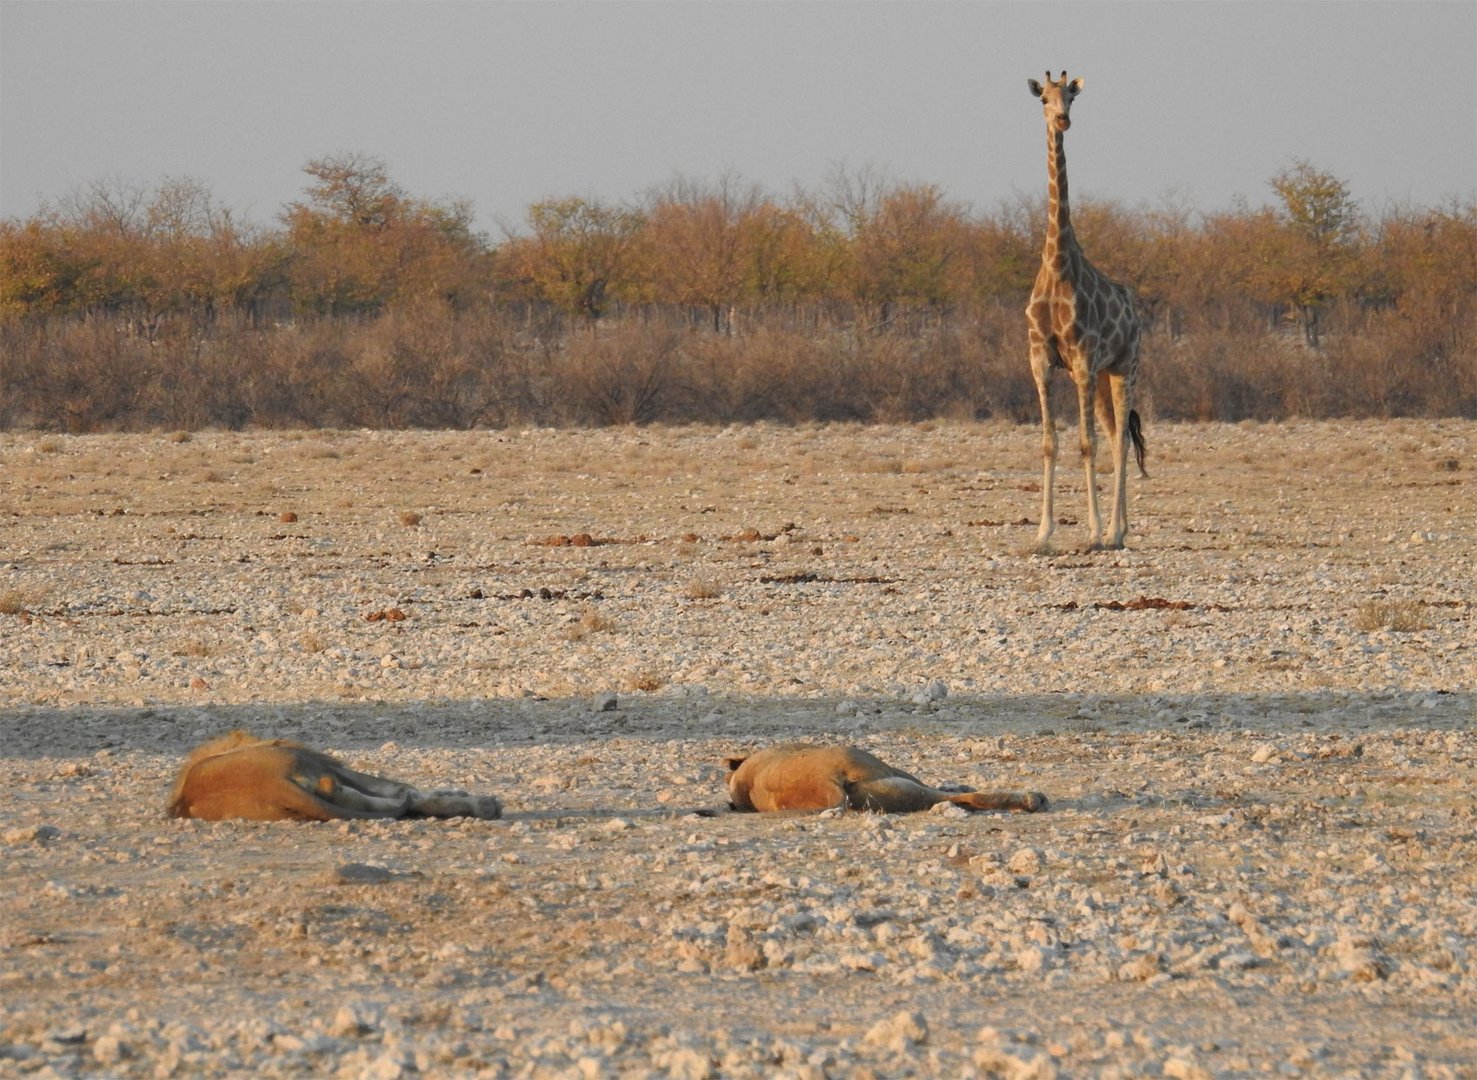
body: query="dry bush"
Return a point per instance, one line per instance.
(74, 375)
(1007, 391)
(765, 375)
(1230, 377)
(302, 367)
(200, 380)
(1402, 367)
(912, 309)
(790, 378)
(834, 376)
(428, 366)
(419, 366)
(613, 376)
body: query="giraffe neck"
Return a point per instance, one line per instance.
(1060, 240)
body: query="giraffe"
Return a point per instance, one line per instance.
(1083, 321)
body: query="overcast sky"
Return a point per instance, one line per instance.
(505, 104)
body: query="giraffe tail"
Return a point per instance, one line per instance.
(1136, 433)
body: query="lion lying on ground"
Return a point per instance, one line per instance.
(798, 776)
(241, 776)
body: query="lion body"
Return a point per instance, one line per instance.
(800, 776)
(241, 776)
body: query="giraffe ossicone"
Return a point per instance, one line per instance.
(1081, 320)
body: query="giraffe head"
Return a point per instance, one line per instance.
(1056, 98)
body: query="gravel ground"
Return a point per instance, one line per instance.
(1255, 725)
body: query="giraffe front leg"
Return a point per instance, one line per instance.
(1086, 390)
(1040, 368)
(1118, 524)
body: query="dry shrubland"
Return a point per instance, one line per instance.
(712, 301)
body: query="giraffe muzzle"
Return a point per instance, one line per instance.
(1063, 123)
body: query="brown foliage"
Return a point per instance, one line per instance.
(127, 307)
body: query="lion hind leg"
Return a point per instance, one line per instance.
(892, 795)
(372, 785)
(790, 785)
(451, 804)
(1027, 801)
(904, 795)
(347, 800)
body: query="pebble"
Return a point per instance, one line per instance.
(898, 1033)
(109, 1050)
(1024, 861)
(350, 1021)
(31, 834)
(1180, 1069)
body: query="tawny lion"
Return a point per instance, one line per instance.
(241, 776)
(798, 776)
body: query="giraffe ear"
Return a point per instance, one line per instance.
(1035, 87)
(1075, 86)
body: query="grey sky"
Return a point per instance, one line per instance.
(505, 104)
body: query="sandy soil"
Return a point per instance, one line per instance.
(1255, 725)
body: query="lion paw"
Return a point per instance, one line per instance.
(1032, 801)
(486, 807)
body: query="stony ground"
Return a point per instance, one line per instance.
(1255, 724)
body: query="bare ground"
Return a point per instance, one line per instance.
(1255, 724)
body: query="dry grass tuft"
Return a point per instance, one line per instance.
(702, 589)
(590, 621)
(197, 648)
(18, 602)
(646, 682)
(919, 466)
(1400, 615)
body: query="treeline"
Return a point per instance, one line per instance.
(128, 307)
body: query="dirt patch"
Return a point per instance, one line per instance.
(1259, 857)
